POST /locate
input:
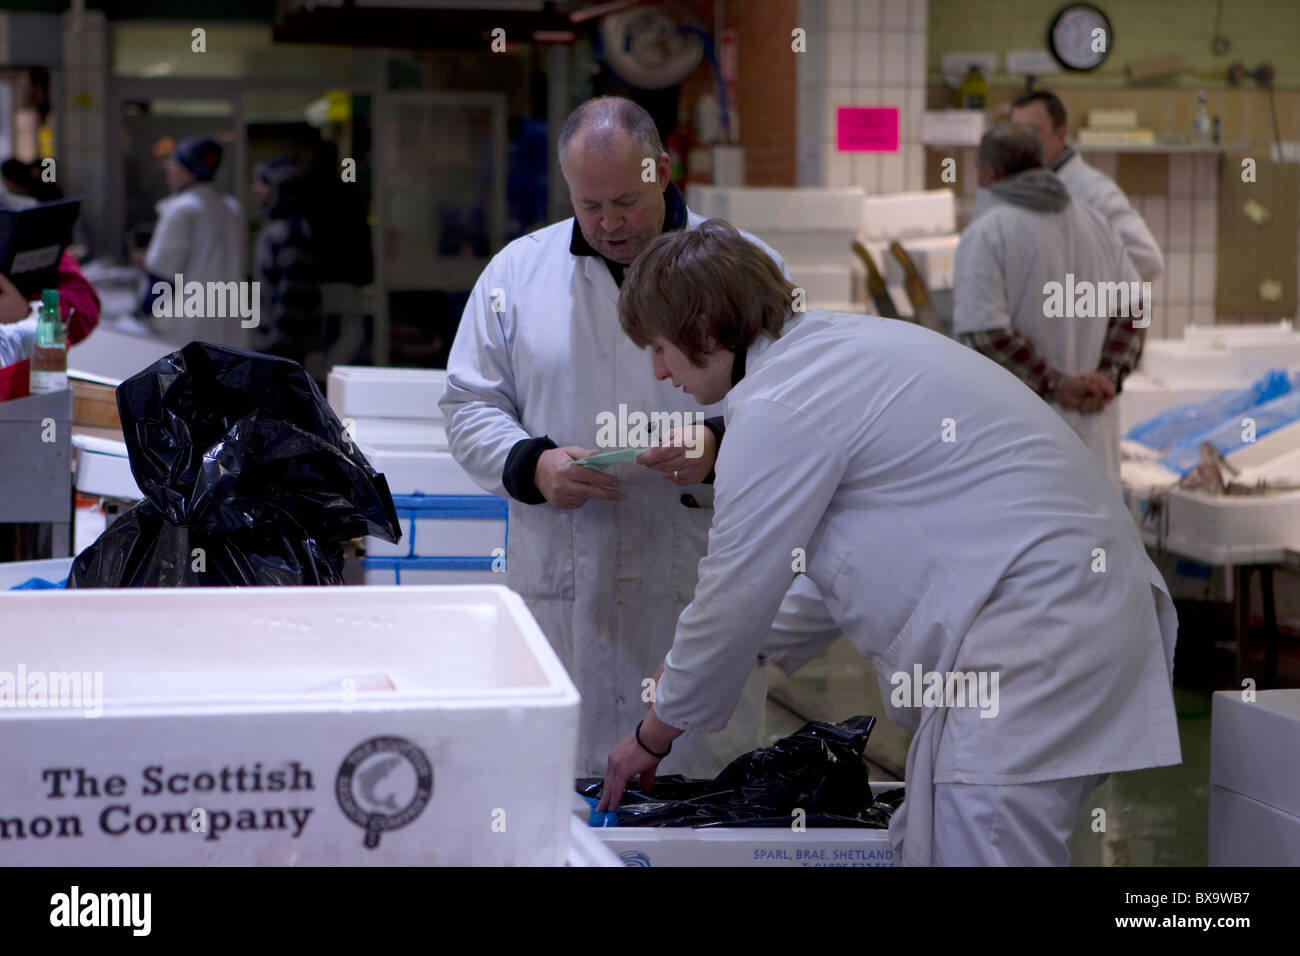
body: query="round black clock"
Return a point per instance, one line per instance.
(1080, 37)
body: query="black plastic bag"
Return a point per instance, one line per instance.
(819, 769)
(247, 475)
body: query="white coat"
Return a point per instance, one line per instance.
(1090, 186)
(977, 553)
(200, 235)
(606, 581)
(1006, 257)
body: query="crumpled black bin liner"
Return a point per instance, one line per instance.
(820, 769)
(239, 454)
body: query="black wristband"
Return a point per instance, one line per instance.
(647, 749)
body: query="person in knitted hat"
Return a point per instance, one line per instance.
(200, 237)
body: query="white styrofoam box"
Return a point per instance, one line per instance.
(762, 846)
(439, 537)
(389, 575)
(812, 248)
(761, 209)
(585, 848)
(1267, 450)
(931, 212)
(14, 573)
(400, 435)
(953, 127)
(1255, 746)
(933, 256)
(1144, 398)
(420, 472)
(104, 469)
(379, 548)
(822, 284)
(1246, 832)
(1215, 359)
(1236, 529)
(1230, 334)
(435, 537)
(473, 701)
(359, 391)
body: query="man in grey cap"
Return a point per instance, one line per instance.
(199, 237)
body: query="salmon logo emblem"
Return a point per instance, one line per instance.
(384, 784)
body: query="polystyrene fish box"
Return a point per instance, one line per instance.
(764, 846)
(436, 537)
(311, 726)
(399, 434)
(912, 214)
(359, 391)
(762, 209)
(1144, 398)
(1233, 529)
(14, 573)
(1255, 746)
(824, 247)
(104, 469)
(420, 472)
(933, 256)
(823, 286)
(1246, 832)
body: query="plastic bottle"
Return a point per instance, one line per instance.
(973, 94)
(49, 369)
(1201, 122)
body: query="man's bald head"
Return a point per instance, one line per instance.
(1007, 149)
(603, 127)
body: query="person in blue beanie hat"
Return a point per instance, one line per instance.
(200, 237)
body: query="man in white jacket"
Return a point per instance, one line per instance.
(1042, 286)
(605, 561)
(952, 524)
(1086, 184)
(199, 236)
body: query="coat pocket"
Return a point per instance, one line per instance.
(539, 552)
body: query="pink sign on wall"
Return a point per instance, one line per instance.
(866, 129)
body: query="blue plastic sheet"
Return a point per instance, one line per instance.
(1186, 423)
(1185, 454)
(39, 584)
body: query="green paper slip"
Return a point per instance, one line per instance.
(610, 457)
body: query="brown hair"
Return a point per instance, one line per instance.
(1051, 102)
(712, 271)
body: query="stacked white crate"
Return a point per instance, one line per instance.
(452, 532)
(1255, 779)
(812, 229)
(925, 225)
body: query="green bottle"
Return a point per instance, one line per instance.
(50, 353)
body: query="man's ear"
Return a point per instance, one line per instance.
(663, 169)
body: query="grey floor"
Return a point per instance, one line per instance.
(1153, 817)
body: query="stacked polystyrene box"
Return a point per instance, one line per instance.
(1255, 778)
(452, 532)
(813, 230)
(925, 225)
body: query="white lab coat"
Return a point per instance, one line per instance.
(200, 235)
(607, 581)
(1006, 257)
(975, 553)
(1088, 185)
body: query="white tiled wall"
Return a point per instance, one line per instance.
(862, 53)
(1185, 225)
